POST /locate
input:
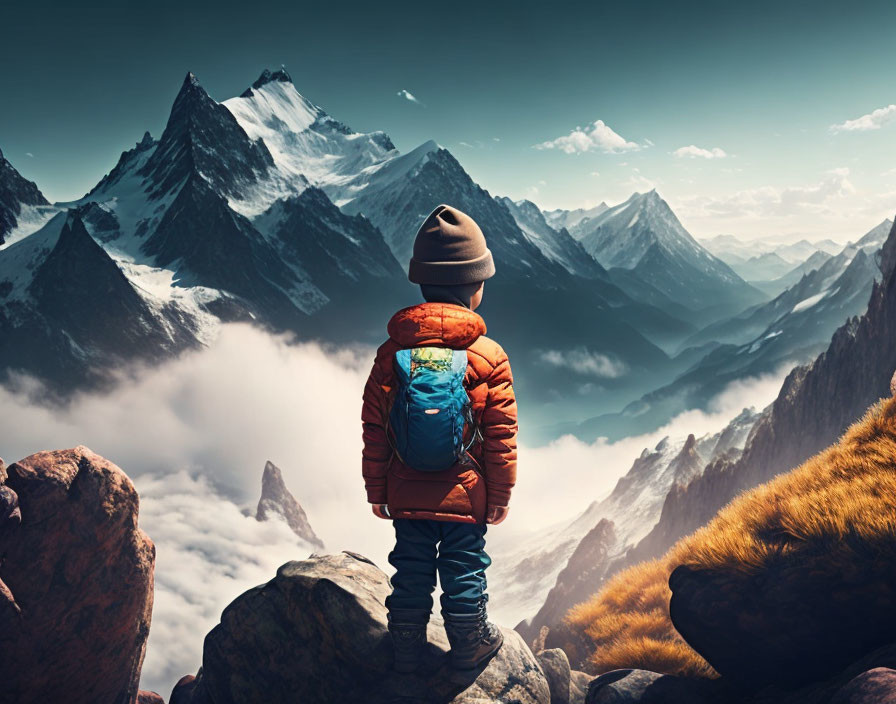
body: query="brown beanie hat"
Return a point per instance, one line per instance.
(450, 249)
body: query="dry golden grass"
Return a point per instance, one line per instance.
(836, 513)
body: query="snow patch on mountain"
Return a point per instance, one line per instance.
(19, 261)
(30, 219)
(807, 303)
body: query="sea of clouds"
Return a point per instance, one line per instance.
(195, 433)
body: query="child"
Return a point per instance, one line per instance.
(439, 427)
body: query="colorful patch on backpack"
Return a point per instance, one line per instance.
(438, 359)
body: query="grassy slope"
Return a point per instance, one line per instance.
(835, 514)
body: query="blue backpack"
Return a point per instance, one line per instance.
(430, 408)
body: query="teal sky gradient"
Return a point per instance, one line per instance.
(762, 81)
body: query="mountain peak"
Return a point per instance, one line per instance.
(277, 499)
(650, 196)
(268, 76)
(202, 136)
(191, 90)
(190, 80)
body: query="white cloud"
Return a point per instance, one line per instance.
(407, 95)
(598, 136)
(773, 201)
(872, 121)
(29, 154)
(207, 553)
(638, 182)
(585, 362)
(220, 413)
(466, 144)
(595, 173)
(194, 434)
(692, 151)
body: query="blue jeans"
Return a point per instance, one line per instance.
(455, 550)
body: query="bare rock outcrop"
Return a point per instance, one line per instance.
(582, 577)
(317, 633)
(77, 578)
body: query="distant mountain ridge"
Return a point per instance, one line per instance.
(573, 220)
(814, 406)
(645, 242)
(816, 403)
(557, 245)
(791, 329)
(768, 263)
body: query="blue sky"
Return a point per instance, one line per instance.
(727, 109)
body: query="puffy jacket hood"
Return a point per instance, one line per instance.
(436, 324)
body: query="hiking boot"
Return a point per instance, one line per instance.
(408, 630)
(474, 639)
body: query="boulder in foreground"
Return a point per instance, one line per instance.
(317, 633)
(75, 581)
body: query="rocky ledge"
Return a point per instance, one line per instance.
(317, 633)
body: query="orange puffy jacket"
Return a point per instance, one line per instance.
(462, 493)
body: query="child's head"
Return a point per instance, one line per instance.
(451, 260)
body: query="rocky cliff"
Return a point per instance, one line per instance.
(816, 404)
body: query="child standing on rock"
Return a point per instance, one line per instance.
(439, 428)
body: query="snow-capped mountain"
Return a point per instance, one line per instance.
(68, 312)
(204, 226)
(304, 141)
(22, 205)
(658, 258)
(233, 214)
(556, 245)
(211, 204)
(526, 570)
(538, 283)
(227, 217)
(573, 220)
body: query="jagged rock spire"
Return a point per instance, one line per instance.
(276, 498)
